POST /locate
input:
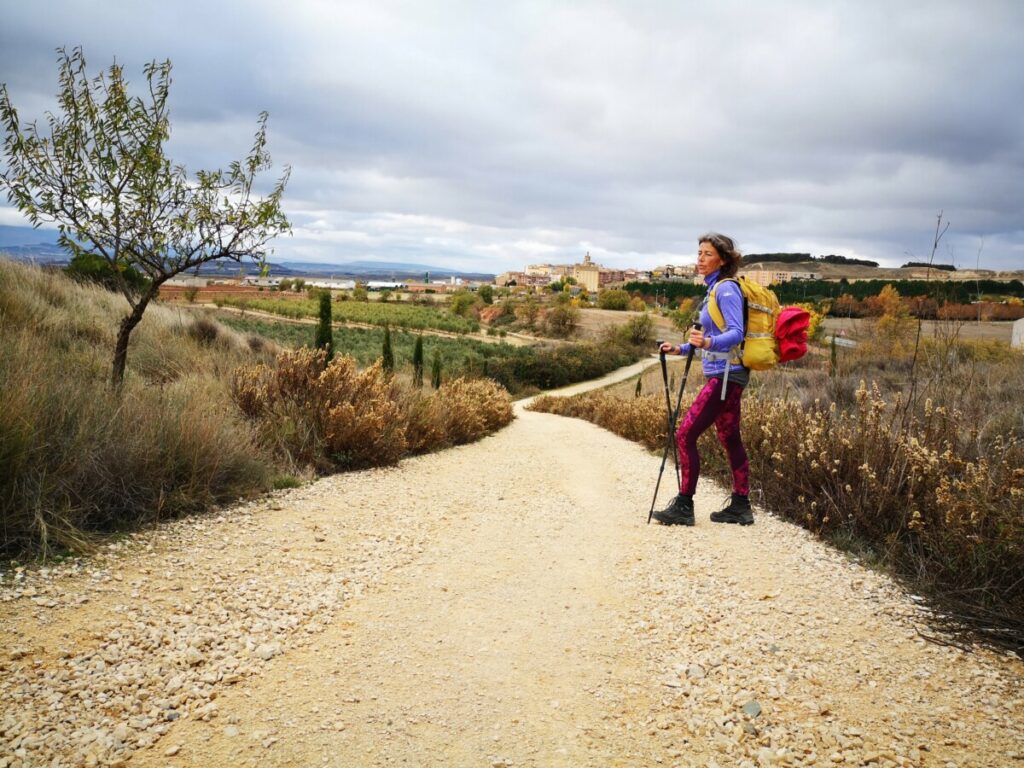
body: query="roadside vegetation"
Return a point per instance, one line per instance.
(908, 452)
(334, 416)
(521, 370)
(202, 417)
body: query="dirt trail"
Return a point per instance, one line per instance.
(501, 603)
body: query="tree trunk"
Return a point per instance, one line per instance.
(128, 324)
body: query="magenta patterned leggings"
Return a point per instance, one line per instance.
(708, 409)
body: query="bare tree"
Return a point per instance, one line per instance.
(911, 397)
(100, 173)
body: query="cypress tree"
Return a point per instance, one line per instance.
(435, 373)
(387, 356)
(324, 334)
(417, 362)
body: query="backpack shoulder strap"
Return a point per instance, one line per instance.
(713, 308)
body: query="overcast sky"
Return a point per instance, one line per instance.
(485, 136)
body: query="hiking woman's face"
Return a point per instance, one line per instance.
(708, 259)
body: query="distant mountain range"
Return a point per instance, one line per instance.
(40, 247)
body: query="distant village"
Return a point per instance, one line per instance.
(590, 276)
(595, 277)
(587, 274)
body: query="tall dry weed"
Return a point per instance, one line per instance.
(923, 493)
(425, 420)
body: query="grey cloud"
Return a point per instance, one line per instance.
(478, 133)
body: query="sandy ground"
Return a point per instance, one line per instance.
(498, 604)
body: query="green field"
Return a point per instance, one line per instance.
(365, 344)
(412, 316)
(518, 369)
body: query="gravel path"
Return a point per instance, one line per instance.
(497, 604)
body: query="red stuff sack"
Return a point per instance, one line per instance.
(791, 333)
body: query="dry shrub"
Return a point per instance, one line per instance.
(917, 490)
(204, 330)
(260, 345)
(331, 416)
(363, 425)
(641, 419)
(473, 408)
(425, 421)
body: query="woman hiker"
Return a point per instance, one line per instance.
(717, 258)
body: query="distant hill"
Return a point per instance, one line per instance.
(41, 253)
(801, 258)
(39, 246)
(861, 272)
(363, 268)
(34, 245)
(14, 236)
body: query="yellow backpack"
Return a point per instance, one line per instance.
(759, 350)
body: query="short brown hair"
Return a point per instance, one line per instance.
(727, 251)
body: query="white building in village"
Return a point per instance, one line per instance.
(328, 283)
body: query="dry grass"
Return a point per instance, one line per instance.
(79, 460)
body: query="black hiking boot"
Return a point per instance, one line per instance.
(679, 512)
(738, 511)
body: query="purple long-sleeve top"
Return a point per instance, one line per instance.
(730, 302)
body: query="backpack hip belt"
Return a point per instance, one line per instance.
(710, 356)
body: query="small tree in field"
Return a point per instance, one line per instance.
(435, 370)
(100, 173)
(561, 320)
(324, 333)
(387, 354)
(417, 362)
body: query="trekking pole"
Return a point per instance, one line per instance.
(669, 413)
(725, 377)
(670, 439)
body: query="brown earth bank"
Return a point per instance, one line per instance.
(862, 327)
(497, 604)
(863, 272)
